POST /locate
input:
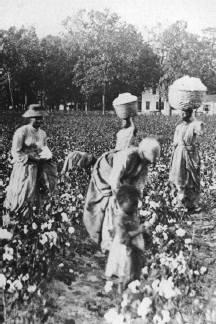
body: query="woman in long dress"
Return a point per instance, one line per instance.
(113, 169)
(185, 163)
(31, 166)
(126, 136)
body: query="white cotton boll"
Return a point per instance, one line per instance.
(4, 234)
(2, 280)
(145, 270)
(64, 217)
(108, 286)
(7, 256)
(111, 315)
(32, 288)
(71, 230)
(188, 241)
(166, 316)
(45, 153)
(43, 226)
(26, 277)
(180, 232)
(134, 285)
(43, 239)
(145, 307)
(17, 284)
(34, 226)
(155, 285)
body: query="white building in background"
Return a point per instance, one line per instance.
(150, 104)
(209, 105)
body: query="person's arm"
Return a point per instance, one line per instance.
(175, 139)
(134, 129)
(126, 237)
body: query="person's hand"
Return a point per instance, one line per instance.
(142, 228)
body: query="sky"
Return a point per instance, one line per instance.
(47, 15)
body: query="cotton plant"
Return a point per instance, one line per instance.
(34, 244)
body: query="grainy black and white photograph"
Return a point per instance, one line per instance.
(108, 200)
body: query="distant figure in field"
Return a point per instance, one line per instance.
(125, 258)
(77, 158)
(185, 162)
(112, 170)
(125, 137)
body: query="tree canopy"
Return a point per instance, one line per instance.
(99, 56)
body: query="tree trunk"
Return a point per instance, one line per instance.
(86, 107)
(26, 99)
(104, 98)
(11, 94)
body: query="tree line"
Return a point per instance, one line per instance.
(99, 56)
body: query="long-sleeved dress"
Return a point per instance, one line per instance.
(110, 171)
(185, 163)
(23, 189)
(125, 138)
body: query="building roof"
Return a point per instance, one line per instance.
(209, 98)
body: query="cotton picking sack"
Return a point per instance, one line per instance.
(125, 105)
(186, 93)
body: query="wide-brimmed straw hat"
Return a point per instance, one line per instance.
(35, 110)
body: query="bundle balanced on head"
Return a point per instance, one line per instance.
(186, 94)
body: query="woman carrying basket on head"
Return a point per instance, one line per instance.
(185, 162)
(126, 136)
(32, 165)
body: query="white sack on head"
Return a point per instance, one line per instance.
(151, 149)
(189, 84)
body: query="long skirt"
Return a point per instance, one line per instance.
(23, 191)
(124, 262)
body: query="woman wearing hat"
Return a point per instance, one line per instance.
(31, 164)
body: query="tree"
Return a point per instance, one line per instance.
(181, 53)
(22, 56)
(209, 59)
(111, 55)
